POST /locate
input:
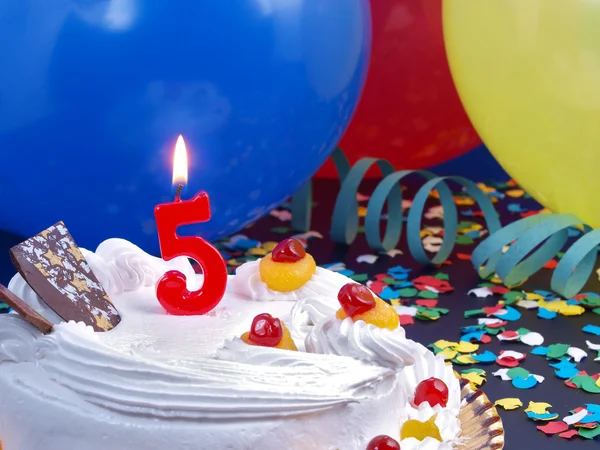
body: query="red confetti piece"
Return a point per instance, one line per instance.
(382, 276)
(463, 256)
(551, 264)
(485, 339)
(507, 361)
(490, 310)
(427, 303)
(377, 287)
(590, 425)
(508, 335)
(568, 434)
(425, 281)
(500, 290)
(553, 427)
(497, 324)
(406, 319)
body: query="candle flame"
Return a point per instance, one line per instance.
(180, 163)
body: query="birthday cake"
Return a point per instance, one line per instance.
(294, 356)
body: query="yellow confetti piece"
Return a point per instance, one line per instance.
(466, 359)
(597, 384)
(362, 211)
(467, 347)
(395, 301)
(515, 193)
(464, 201)
(442, 344)
(255, 251)
(421, 430)
(538, 407)
(496, 279)
(572, 310)
(486, 189)
(425, 232)
(269, 245)
(234, 262)
(509, 403)
(475, 379)
(448, 353)
(533, 296)
(555, 306)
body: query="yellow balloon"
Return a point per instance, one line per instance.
(528, 73)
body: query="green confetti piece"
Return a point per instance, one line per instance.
(442, 276)
(428, 294)
(495, 331)
(360, 277)
(466, 224)
(588, 384)
(513, 297)
(596, 311)
(434, 349)
(472, 327)
(461, 239)
(442, 311)
(473, 312)
(589, 433)
(515, 372)
(393, 281)
(557, 351)
(590, 301)
(361, 229)
(280, 230)
(523, 332)
(408, 292)
(474, 370)
(427, 314)
(487, 285)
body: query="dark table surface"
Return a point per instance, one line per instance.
(521, 432)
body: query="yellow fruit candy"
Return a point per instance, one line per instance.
(289, 276)
(420, 430)
(382, 315)
(286, 343)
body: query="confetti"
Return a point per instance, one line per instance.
(568, 434)
(533, 339)
(592, 329)
(481, 292)
(509, 404)
(553, 427)
(538, 407)
(576, 353)
(574, 418)
(369, 259)
(524, 383)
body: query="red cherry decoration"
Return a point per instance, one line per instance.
(383, 442)
(434, 391)
(356, 299)
(288, 251)
(266, 330)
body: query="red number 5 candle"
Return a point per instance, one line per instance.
(171, 289)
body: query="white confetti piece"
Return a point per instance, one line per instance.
(511, 353)
(435, 212)
(405, 310)
(539, 378)
(576, 353)
(369, 259)
(527, 304)
(502, 337)
(432, 243)
(533, 339)
(574, 418)
(308, 235)
(481, 292)
(337, 267)
(502, 373)
(591, 345)
(282, 214)
(393, 252)
(488, 321)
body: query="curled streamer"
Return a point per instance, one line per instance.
(532, 241)
(345, 220)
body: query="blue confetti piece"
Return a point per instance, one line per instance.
(547, 295)
(467, 213)
(591, 418)
(485, 357)
(524, 383)
(473, 234)
(544, 313)
(566, 369)
(515, 208)
(405, 284)
(544, 416)
(510, 315)
(592, 408)
(573, 301)
(572, 231)
(474, 336)
(388, 293)
(246, 244)
(591, 294)
(333, 264)
(591, 329)
(496, 194)
(542, 351)
(346, 272)
(400, 276)
(471, 328)
(398, 269)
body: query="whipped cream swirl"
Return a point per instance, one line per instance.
(247, 283)
(360, 340)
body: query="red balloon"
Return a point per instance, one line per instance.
(410, 112)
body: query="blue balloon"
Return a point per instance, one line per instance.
(94, 93)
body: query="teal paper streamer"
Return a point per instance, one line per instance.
(532, 241)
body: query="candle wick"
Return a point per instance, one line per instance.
(178, 192)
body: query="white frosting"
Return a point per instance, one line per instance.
(362, 341)
(160, 381)
(247, 283)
